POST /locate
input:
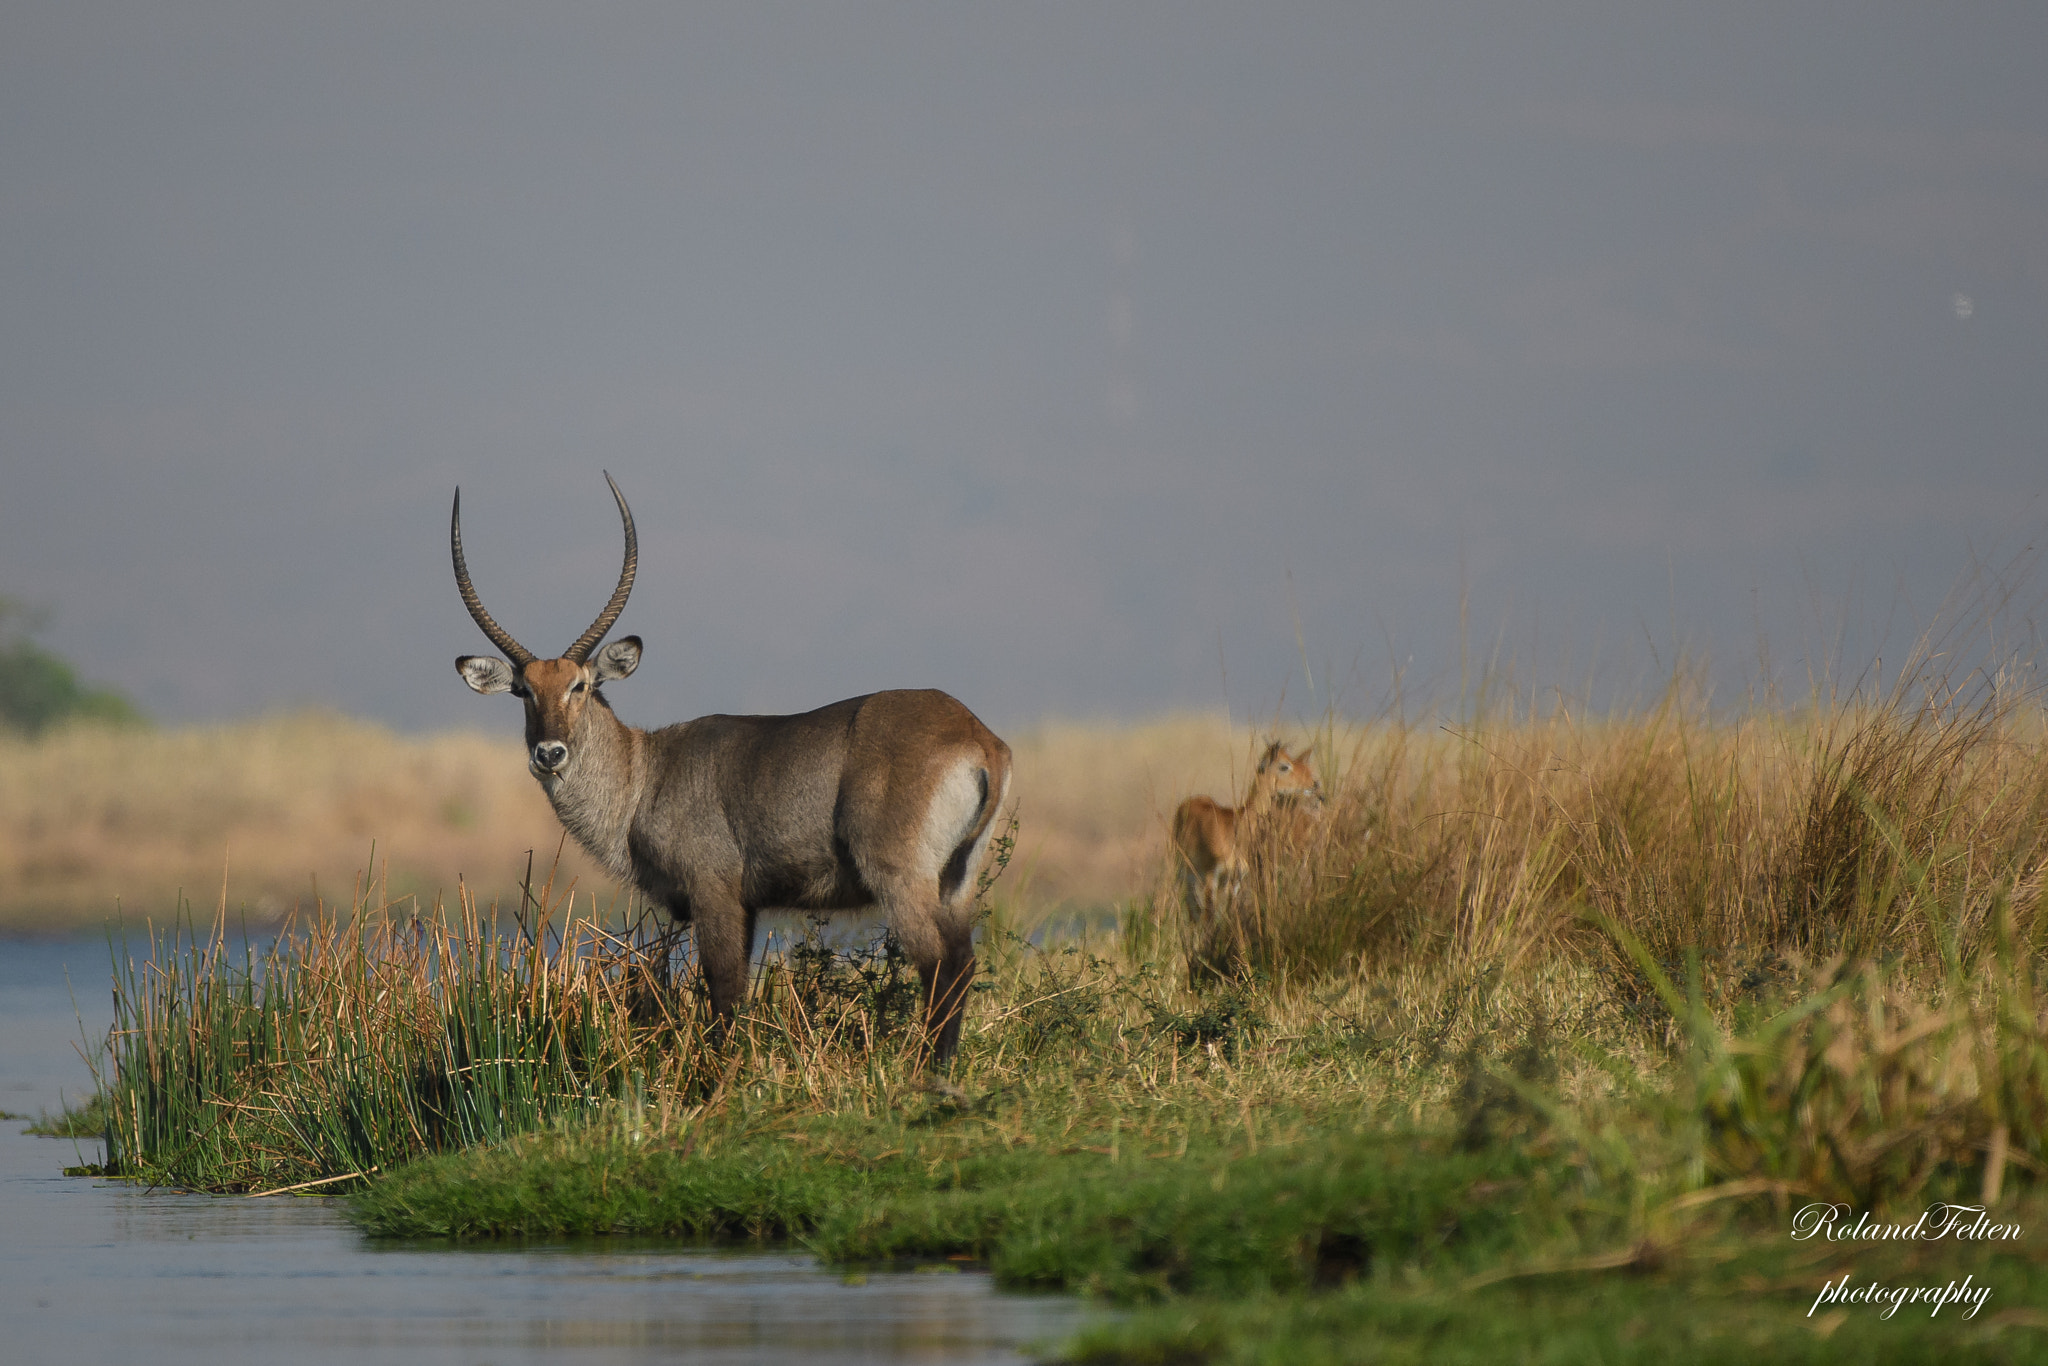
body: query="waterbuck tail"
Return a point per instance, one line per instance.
(965, 861)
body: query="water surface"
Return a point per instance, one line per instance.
(94, 1271)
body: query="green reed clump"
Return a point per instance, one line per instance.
(87, 1119)
(350, 1044)
(1866, 1086)
(353, 1043)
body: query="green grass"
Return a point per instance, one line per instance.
(349, 1047)
(1279, 1200)
(86, 1120)
(1075, 1211)
(1733, 1302)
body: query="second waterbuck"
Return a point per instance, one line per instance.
(1216, 844)
(885, 801)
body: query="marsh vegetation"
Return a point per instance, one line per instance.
(1533, 1048)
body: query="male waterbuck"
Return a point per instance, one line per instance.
(886, 800)
(1214, 842)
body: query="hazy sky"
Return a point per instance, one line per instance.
(1061, 356)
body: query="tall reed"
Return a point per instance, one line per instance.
(359, 1039)
(352, 1042)
(1889, 823)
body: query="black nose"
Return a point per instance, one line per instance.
(550, 753)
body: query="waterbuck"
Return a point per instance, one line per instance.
(1214, 842)
(886, 800)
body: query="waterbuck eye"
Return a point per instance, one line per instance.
(577, 686)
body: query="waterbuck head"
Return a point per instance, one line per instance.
(558, 693)
(1288, 777)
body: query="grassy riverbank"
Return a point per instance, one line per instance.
(1438, 1166)
(1536, 1049)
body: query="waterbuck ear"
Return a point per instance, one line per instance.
(618, 659)
(485, 673)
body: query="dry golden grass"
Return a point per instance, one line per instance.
(1885, 827)
(89, 815)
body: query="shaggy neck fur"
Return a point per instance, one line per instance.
(596, 795)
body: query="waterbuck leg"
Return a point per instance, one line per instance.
(912, 904)
(946, 989)
(725, 947)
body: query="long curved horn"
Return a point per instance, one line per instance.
(500, 637)
(587, 642)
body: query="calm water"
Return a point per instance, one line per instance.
(98, 1271)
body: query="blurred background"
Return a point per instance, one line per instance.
(1090, 362)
